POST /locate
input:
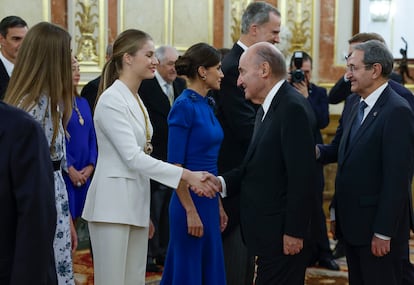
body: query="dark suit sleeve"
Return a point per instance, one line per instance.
(340, 91)
(398, 156)
(33, 188)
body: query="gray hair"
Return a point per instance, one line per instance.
(161, 51)
(376, 52)
(257, 13)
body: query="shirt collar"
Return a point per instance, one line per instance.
(7, 64)
(160, 80)
(373, 97)
(269, 98)
(242, 45)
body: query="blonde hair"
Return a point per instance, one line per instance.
(129, 41)
(43, 67)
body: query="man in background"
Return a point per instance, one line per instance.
(13, 29)
(27, 201)
(260, 23)
(158, 95)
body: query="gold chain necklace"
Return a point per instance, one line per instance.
(148, 146)
(75, 106)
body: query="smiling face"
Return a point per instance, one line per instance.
(143, 62)
(11, 43)
(166, 68)
(269, 31)
(250, 78)
(359, 74)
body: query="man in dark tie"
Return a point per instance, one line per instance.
(260, 22)
(158, 95)
(13, 29)
(276, 180)
(372, 203)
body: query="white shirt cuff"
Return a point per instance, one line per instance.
(380, 236)
(223, 192)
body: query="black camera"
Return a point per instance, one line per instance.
(297, 75)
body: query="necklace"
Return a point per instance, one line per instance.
(75, 106)
(148, 146)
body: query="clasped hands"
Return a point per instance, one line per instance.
(204, 184)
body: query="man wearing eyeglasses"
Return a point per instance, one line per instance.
(372, 203)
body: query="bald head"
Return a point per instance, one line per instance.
(261, 66)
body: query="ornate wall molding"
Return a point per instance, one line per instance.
(87, 25)
(299, 23)
(237, 8)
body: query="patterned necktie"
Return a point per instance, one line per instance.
(358, 120)
(258, 120)
(170, 93)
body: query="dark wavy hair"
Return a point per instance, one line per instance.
(200, 54)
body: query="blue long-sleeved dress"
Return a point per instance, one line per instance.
(81, 151)
(194, 141)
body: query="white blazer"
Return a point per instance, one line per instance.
(120, 188)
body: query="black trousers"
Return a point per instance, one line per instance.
(366, 269)
(282, 269)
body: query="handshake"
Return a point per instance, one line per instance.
(202, 183)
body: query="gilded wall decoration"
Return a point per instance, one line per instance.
(299, 22)
(87, 22)
(237, 9)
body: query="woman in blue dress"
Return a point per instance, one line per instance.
(195, 253)
(81, 150)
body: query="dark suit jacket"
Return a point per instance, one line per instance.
(27, 201)
(236, 116)
(90, 91)
(276, 179)
(373, 183)
(329, 152)
(158, 108)
(4, 80)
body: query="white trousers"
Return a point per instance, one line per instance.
(119, 253)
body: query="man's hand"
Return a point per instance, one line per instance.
(380, 247)
(292, 245)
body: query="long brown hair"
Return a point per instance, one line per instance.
(43, 67)
(129, 41)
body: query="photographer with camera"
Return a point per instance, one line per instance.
(300, 77)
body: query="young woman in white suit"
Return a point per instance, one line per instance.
(118, 201)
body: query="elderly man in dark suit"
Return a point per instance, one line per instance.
(372, 201)
(13, 29)
(27, 201)
(158, 94)
(276, 180)
(260, 22)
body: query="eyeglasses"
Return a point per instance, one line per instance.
(352, 68)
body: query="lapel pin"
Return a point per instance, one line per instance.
(375, 114)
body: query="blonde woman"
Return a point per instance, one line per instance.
(41, 84)
(118, 200)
